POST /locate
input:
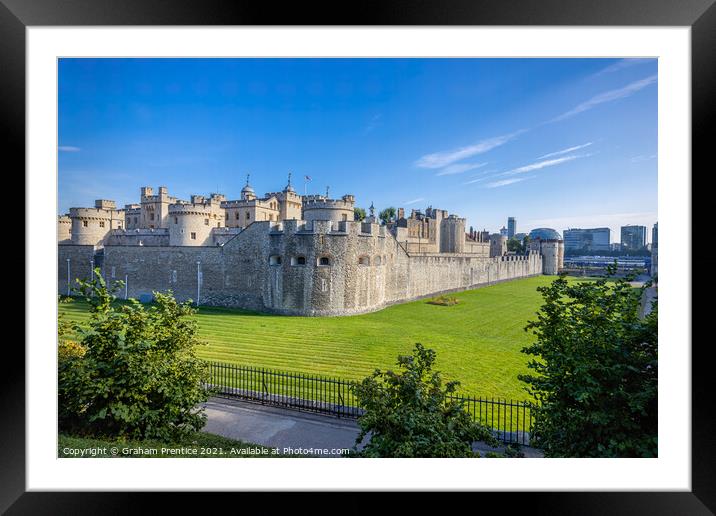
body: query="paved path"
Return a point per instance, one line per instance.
(281, 428)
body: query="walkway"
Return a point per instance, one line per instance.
(279, 428)
(300, 431)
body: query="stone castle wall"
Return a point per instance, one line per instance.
(81, 261)
(313, 268)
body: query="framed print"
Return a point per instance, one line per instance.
(422, 242)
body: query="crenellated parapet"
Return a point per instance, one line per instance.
(192, 223)
(90, 226)
(323, 208)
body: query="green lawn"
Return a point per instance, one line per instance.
(478, 341)
(198, 445)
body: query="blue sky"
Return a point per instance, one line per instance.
(554, 142)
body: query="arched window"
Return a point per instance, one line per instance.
(248, 215)
(274, 260)
(364, 260)
(324, 260)
(298, 260)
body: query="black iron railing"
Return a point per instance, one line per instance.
(510, 421)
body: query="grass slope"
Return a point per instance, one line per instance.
(478, 340)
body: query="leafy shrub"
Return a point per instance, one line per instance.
(596, 371)
(138, 376)
(410, 413)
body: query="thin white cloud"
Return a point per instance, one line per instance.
(637, 159)
(608, 96)
(374, 122)
(413, 201)
(505, 182)
(566, 151)
(621, 64)
(459, 168)
(445, 158)
(542, 164)
(68, 148)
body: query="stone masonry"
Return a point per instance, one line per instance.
(328, 265)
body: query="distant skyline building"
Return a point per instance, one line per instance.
(592, 239)
(633, 237)
(511, 227)
(655, 249)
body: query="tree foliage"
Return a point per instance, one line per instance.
(133, 371)
(387, 215)
(595, 370)
(514, 245)
(518, 246)
(359, 214)
(410, 413)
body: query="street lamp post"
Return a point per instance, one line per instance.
(126, 286)
(198, 282)
(68, 277)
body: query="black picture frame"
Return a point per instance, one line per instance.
(700, 15)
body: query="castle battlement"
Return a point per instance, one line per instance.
(140, 231)
(303, 258)
(95, 213)
(190, 209)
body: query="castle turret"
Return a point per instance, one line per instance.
(247, 192)
(322, 208)
(64, 228)
(452, 235)
(191, 224)
(90, 226)
(132, 216)
(551, 246)
(498, 245)
(155, 208)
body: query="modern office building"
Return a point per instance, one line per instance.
(633, 237)
(655, 249)
(593, 239)
(511, 227)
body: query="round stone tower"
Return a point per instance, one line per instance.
(452, 235)
(90, 226)
(498, 245)
(322, 208)
(64, 228)
(190, 224)
(551, 246)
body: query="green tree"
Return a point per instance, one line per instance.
(410, 413)
(359, 214)
(595, 370)
(514, 245)
(133, 371)
(387, 215)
